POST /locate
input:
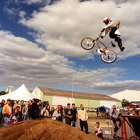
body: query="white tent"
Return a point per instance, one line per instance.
(130, 95)
(21, 93)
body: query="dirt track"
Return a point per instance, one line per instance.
(43, 130)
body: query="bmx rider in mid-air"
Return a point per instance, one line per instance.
(113, 31)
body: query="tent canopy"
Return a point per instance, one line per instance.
(130, 95)
(21, 93)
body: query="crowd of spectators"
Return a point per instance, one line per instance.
(16, 111)
(12, 112)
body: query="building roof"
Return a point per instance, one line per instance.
(75, 94)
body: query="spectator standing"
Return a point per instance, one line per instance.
(74, 115)
(45, 112)
(29, 110)
(60, 110)
(40, 106)
(83, 116)
(52, 111)
(6, 112)
(2, 103)
(0, 113)
(35, 110)
(68, 114)
(115, 117)
(15, 116)
(21, 110)
(57, 114)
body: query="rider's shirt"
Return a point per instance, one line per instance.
(107, 28)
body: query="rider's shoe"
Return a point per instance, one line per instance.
(113, 45)
(122, 49)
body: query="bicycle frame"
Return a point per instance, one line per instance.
(97, 41)
(108, 56)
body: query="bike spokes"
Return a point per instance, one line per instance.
(108, 56)
(87, 43)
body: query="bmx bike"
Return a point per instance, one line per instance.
(107, 56)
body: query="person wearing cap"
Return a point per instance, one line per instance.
(83, 116)
(68, 114)
(6, 112)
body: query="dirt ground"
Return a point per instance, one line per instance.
(43, 130)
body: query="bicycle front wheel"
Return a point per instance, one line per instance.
(109, 56)
(87, 43)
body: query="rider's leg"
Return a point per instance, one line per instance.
(112, 32)
(119, 41)
(116, 37)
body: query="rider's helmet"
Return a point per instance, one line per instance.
(106, 20)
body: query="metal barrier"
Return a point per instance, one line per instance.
(134, 124)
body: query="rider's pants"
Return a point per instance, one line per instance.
(116, 37)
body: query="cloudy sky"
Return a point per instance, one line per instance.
(40, 45)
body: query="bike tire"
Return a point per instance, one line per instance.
(87, 43)
(110, 57)
(133, 138)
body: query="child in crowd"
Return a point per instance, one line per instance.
(13, 119)
(98, 130)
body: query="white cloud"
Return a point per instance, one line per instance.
(65, 23)
(29, 2)
(10, 11)
(117, 86)
(60, 28)
(22, 14)
(22, 61)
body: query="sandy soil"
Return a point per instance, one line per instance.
(43, 130)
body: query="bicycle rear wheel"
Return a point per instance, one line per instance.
(87, 43)
(109, 56)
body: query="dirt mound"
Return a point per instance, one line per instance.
(43, 130)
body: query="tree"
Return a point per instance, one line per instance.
(125, 103)
(3, 92)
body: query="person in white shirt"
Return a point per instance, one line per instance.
(56, 114)
(112, 29)
(98, 130)
(83, 116)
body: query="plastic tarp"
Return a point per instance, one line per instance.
(21, 93)
(130, 95)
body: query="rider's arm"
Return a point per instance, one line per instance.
(106, 29)
(109, 25)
